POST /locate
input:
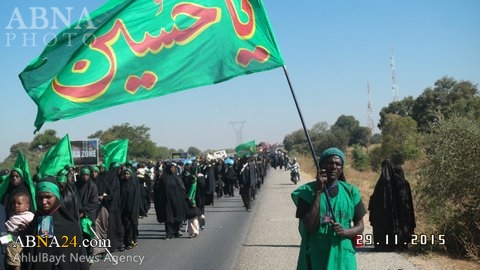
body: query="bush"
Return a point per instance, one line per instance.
(376, 157)
(361, 160)
(449, 183)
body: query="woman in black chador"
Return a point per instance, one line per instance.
(129, 208)
(391, 209)
(170, 201)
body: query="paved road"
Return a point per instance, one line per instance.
(215, 248)
(266, 238)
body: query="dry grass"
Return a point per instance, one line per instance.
(366, 181)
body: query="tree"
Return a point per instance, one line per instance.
(347, 123)
(400, 138)
(445, 98)
(376, 138)
(296, 141)
(441, 99)
(403, 108)
(44, 140)
(19, 147)
(194, 151)
(140, 146)
(320, 127)
(164, 152)
(360, 136)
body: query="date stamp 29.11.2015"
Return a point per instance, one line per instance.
(389, 239)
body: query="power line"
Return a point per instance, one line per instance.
(238, 126)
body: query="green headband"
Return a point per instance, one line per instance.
(85, 171)
(95, 169)
(68, 166)
(129, 171)
(62, 178)
(19, 171)
(45, 186)
(332, 152)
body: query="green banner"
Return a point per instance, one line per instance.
(56, 158)
(246, 148)
(133, 50)
(115, 151)
(22, 164)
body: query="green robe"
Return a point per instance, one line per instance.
(328, 250)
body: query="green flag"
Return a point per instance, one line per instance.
(115, 151)
(133, 50)
(22, 164)
(86, 225)
(56, 158)
(246, 148)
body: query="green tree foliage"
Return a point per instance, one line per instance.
(376, 157)
(337, 138)
(164, 152)
(140, 146)
(449, 185)
(23, 147)
(361, 136)
(44, 140)
(361, 160)
(346, 130)
(346, 123)
(296, 142)
(194, 151)
(403, 108)
(400, 137)
(447, 97)
(376, 138)
(349, 132)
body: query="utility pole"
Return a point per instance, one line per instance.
(238, 126)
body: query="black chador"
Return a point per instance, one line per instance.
(391, 209)
(112, 203)
(170, 201)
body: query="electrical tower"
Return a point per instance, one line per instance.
(238, 131)
(394, 78)
(370, 110)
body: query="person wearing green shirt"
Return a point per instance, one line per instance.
(330, 213)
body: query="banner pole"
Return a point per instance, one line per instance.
(308, 138)
(301, 119)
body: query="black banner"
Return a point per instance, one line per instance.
(85, 152)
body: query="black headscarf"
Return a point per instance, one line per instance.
(11, 191)
(88, 195)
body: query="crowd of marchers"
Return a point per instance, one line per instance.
(105, 203)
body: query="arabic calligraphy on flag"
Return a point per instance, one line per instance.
(148, 48)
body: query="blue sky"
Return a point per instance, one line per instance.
(332, 49)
